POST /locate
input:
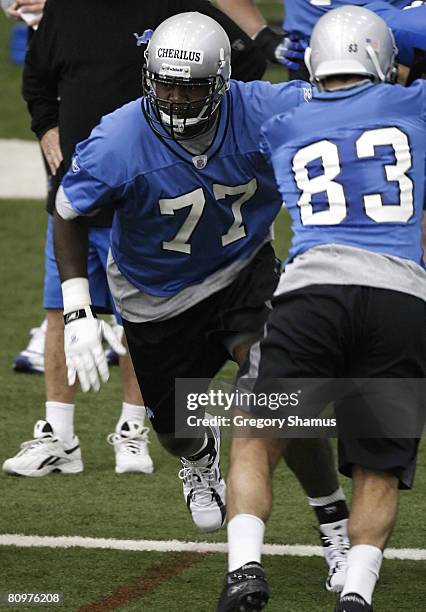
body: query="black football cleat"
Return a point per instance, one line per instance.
(352, 602)
(245, 590)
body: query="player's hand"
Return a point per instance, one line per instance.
(281, 48)
(30, 6)
(11, 10)
(84, 353)
(290, 52)
(31, 11)
(51, 147)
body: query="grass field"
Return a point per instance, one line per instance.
(100, 504)
(14, 121)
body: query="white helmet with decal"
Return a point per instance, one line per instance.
(351, 40)
(189, 50)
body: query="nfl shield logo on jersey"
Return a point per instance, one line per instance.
(200, 161)
(74, 165)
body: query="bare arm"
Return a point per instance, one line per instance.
(275, 45)
(83, 333)
(245, 13)
(71, 248)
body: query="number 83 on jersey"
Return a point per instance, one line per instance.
(331, 184)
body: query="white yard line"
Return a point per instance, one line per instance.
(22, 173)
(412, 554)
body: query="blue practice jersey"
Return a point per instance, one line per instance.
(408, 26)
(178, 222)
(351, 168)
(302, 15)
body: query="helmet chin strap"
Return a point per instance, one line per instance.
(372, 55)
(307, 59)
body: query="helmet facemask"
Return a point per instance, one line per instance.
(190, 117)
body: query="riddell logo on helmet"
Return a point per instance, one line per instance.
(194, 56)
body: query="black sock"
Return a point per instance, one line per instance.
(207, 450)
(331, 513)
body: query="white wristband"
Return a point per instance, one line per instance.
(259, 31)
(75, 294)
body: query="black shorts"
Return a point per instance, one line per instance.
(192, 344)
(345, 331)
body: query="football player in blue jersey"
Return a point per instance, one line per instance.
(351, 302)
(287, 46)
(409, 29)
(191, 264)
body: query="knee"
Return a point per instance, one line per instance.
(373, 483)
(260, 453)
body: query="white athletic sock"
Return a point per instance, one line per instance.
(245, 539)
(364, 563)
(338, 495)
(131, 412)
(61, 418)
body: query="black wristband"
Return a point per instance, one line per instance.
(78, 314)
(268, 40)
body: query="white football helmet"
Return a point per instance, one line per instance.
(187, 50)
(351, 40)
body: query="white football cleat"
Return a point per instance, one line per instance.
(204, 489)
(31, 359)
(44, 454)
(336, 545)
(130, 443)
